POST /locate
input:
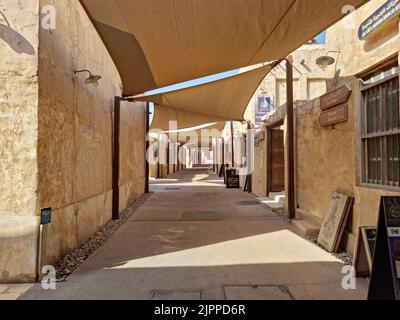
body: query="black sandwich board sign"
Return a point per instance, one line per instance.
(232, 179)
(385, 278)
(45, 216)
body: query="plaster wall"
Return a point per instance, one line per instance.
(327, 159)
(57, 135)
(309, 79)
(259, 179)
(19, 25)
(76, 132)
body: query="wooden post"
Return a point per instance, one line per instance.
(116, 158)
(222, 172)
(249, 159)
(232, 142)
(290, 133)
(177, 158)
(168, 157)
(147, 167)
(158, 161)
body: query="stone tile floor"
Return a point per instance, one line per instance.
(191, 239)
(13, 291)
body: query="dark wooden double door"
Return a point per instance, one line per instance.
(276, 160)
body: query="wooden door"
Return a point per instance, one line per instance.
(276, 166)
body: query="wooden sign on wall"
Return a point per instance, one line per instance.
(335, 115)
(334, 98)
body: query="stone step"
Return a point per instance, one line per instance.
(304, 215)
(273, 195)
(306, 228)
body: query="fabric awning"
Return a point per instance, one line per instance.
(225, 99)
(214, 131)
(184, 119)
(156, 43)
(202, 135)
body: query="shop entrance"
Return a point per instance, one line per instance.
(276, 159)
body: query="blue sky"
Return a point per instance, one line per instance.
(321, 38)
(195, 82)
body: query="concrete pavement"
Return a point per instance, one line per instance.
(194, 239)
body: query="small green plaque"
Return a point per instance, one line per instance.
(45, 216)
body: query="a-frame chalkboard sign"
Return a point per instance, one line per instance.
(385, 278)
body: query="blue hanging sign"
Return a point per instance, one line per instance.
(381, 16)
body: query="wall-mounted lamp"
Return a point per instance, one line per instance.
(325, 61)
(92, 79)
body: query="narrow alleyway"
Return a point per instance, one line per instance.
(194, 239)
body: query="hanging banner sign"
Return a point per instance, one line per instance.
(264, 106)
(381, 16)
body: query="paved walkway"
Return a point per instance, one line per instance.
(194, 239)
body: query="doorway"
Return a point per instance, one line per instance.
(276, 159)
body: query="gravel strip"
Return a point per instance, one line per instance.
(73, 260)
(345, 257)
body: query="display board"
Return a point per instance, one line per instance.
(232, 179)
(385, 278)
(364, 251)
(335, 220)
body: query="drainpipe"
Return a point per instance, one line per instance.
(290, 133)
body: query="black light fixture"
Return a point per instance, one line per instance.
(325, 61)
(92, 79)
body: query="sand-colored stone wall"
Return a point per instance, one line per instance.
(328, 160)
(19, 25)
(57, 135)
(76, 132)
(325, 159)
(309, 80)
(357, 56)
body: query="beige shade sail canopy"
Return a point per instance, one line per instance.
(224, 99)
(163, 115)
(203, 134)
(156, 43)
(214, 130)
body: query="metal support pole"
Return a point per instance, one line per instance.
(116, 158)
(290, 133)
